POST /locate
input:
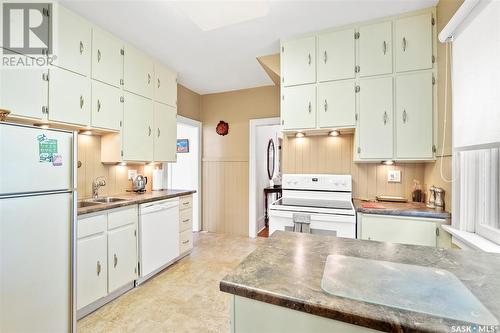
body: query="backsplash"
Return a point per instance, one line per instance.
(326, 154)
(89, 154)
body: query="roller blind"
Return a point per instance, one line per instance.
(476, 77)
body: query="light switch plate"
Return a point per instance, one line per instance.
(132, 174)
(394, 176)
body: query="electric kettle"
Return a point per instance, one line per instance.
(139, 183)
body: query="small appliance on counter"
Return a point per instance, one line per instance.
(436, 198)
(139, 184)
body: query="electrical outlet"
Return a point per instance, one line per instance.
(394, 176)
(132, 174)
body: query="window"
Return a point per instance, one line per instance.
(478, 188)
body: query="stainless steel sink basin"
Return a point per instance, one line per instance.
(108, 200)
(82, 204)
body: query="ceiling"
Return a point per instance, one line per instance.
(213, 45)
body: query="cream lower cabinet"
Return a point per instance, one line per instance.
(375, 49)
(336, 55)
(107, 106)
(298, 58)
(185, 224)
(375, 128)
(165, 133)
(24, 92)
(137, 133)
(413, 42)
(413, 116)
(69, 97)
(106, 255)
(298, 107)
(336, 106)
(403, 230)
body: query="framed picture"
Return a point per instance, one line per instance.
(182, 146)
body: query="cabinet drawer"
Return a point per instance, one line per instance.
(186, 220)
(91, 225)
(186, 241)
(122, 217)
(186, 202)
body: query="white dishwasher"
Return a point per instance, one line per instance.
(158, 236)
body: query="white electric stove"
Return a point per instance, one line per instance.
(317, 204)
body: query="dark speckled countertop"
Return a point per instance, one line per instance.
(414, 209)
(133, 198)
(286, 270)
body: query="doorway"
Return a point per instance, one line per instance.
(262, 133)
(186, 172)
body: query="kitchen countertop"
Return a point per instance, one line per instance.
(412, 209)
(287, 271)
(134, 199)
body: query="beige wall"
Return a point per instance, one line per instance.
(89, 154)
(188, 103)
(225, 158)
(324, 154)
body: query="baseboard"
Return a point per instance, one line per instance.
(88, 309)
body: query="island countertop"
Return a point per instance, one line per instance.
(287, 271)
(411, 209)
(132, 198)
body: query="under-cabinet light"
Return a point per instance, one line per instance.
(334, 133)
(300, 135)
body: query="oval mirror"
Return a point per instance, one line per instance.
(270, 159)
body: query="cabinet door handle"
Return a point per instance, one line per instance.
(115, 260)
(98, 268)
(98, 105)
(159, 132)
(404, 44)
(310, 107)
(81, 47)
(384, 47)
(404, 116)
(325, 57)
(81, 102)
(385, 117)
(158, 83)
(326, 105)
(98, 55)
(185, 242)
(184, 221)
(149, 78)
(149, 129)
(309, 60)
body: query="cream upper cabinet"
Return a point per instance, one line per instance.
(122, 257)
(138, 72)
(91, 269)
(107, 58)
(299, 61)
(165, 133)
(298, 107)
(165, 90)
(413, 116)
(375, 129)
(137, 132)
(72, 41)
(413, 43)
(69, 97)
(375, 49)
(336, 55)
(107, 108)
(15, 83)
(336, 105)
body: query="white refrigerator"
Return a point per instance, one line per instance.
(37, 229)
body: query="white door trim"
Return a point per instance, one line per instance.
(252, 218)
(199, 125)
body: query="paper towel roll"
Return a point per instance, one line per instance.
(157, 179)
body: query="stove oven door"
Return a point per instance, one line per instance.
(324, 224)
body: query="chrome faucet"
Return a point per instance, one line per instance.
(96, 184)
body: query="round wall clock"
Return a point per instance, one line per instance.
(222, 128)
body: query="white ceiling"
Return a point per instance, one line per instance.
(223, 58)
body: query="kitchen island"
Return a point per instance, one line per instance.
(277, 288)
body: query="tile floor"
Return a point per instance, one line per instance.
(183, 298)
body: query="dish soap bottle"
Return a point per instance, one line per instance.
(416, 194)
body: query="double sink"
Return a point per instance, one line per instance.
(99, 201)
